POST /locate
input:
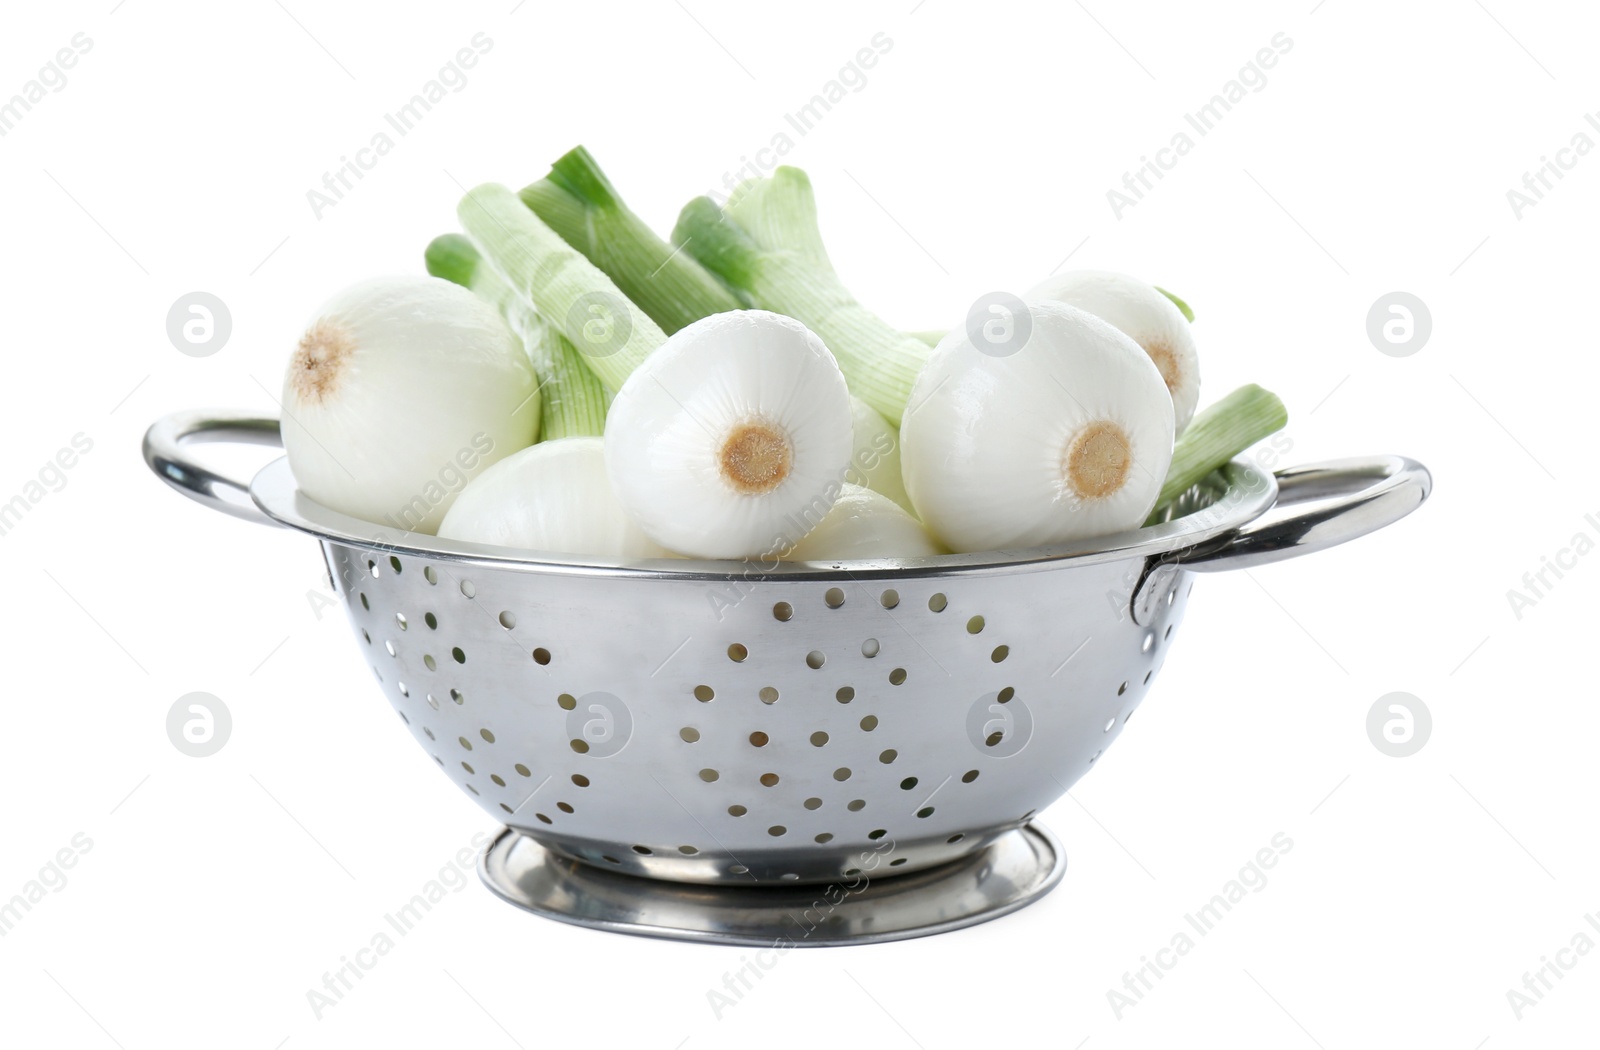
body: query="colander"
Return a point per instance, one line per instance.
(803, 752)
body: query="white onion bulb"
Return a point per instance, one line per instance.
(1142, 313)
(1066, 438)
(554, 497)
(864, 524)
(875, 457)
(733, 437)
(401, 390)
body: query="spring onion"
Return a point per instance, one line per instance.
(875, 455)
(579, 203)
(553, 497)
(732, 440)
(1066, 438)
(795, 278)
(1146, 315)
(399, 392)
(1220, 432)
(572, 401)
(865, 524)
(611, 333)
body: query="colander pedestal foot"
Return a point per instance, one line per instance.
(1011, 872)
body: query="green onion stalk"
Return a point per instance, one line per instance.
(577, 201)
(572, 400)
(767, 244)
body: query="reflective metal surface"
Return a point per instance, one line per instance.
(735, 725)
(1016, 869)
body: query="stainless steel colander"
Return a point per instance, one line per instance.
(718, 751)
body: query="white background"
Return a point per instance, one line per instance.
(978, 155)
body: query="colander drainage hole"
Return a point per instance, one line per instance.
(566, 701)
(737, 810)
(957, 837)
(869, 723)
(1123, 688)
(925, 812)
(580, 780)
(888, 756)
(704, 694)
(488, 737)
(460, 657)
(777, 831)
(768, 695)
(522, 770)
(815, 659)
(508, 620)
(889, 599)
(544, 819)
(429, 662)
(759, 739)
(869, 648)
(429, 575)
(400, 618)
(738, 869)
(908, 783)
(541, 656)
(643, 851)
(818, 739)
(823, 839)
(709, 775)
(455, 695)
(897, 676)
(897, 862)
(856, 805)
(688, 734)
(938, 603)
(433, 701)
(688, 851)
(1000, 653)
(842, 774)
(737, 653)
(769, 780)
(390, 647)
(877, 834)
(782, 611)
(431, 620)
(1109, 723)
(402, 687)
(364, 603)
(1149, 642)
(813, 803)
(468, 590)
(833, 598)
(969, 776)
(845, 694)
(394, 563)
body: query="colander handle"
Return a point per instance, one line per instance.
(165, 454)
(1319, 505)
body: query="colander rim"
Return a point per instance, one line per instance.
(1241, 491)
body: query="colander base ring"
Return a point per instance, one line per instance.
(1015, 870)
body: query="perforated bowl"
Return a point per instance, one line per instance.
(744, 725)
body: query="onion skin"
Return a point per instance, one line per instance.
(401, 390)
(1147, 316)
(987, 441)
(865, 525)
(553, 498)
